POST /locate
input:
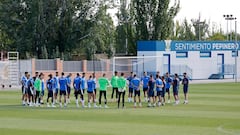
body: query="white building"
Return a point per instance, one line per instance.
(200, 59)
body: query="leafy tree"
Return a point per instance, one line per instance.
(49, 29)
(125, 33)
(183, 31)
(102, 32)
(14, 23)
(5, 42)
(154, 18)
(217, 37)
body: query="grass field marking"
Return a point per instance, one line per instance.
(222, 130)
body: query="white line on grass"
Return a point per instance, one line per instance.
(222, 130)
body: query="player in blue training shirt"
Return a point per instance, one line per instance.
(136, 88)
(77, 87)
(175, 84)
(83, 84)
(63, 90)
(94, 86)
(168, 80)
(83, 87)
(151, 85)
(185, 83)
(42, 90)
(145, 80)
(164, 90)
(130, 87)
(69, 81)
(90, 91)
(159, 86)
(50, 86)
(29, 90)
(24, 88)
(56, 87)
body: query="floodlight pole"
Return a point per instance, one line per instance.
(199, 29)
(229, 18)
(143, 64)
(114, 64)
(236, 51)
(93, 60)
(198, 23)
(126, 44)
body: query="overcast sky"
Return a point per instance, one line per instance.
(212, 10)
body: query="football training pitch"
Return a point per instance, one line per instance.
(213, 109)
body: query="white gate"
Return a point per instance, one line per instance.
(13, 68)
(4, 72)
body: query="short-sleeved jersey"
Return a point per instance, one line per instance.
(29, 83)
(151, 84)
(83, 82)
(50, 84)
(24, 81)
(37, 85)
(114, 81)
(77, 83)
(145, 80)
(175, 83)
(63, 83)
(164, 85)
(130, 80)
(34, 79)
(185, 82)
(136, 83)
(42, 85)
(168, 82)
(122, 83)
(159, 83)
(69, 81)
(94, 83)
(103, 83)
(56, 82)
(90, 84)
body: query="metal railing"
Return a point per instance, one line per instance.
(180, 69)
(45, 64)
(72, 66)
(96, 66)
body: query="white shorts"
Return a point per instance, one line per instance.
(121, 89)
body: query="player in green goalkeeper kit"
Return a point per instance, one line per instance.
(122, 83)
(38, 87)
(103, 83)
(114, 85)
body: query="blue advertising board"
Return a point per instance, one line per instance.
(204, 45)
(184, 46)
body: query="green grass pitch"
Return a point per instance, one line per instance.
(213, 109)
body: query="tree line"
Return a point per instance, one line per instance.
(71, 29)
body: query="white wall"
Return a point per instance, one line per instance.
(202, 67)
(238, 65)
